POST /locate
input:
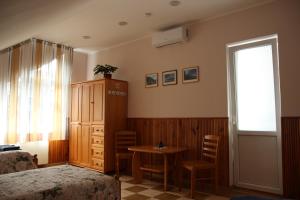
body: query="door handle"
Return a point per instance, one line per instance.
(234, 121)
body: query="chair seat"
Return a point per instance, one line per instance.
(197, 164)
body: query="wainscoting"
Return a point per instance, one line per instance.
(291, 156)
(58, 151)
(186, 132)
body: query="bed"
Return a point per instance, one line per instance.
(59, 182)
(15, 161)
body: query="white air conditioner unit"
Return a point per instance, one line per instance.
(170, 36)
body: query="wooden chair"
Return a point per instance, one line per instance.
(209, 161)
(123, 139)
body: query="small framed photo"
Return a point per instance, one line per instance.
(169, 77)
(151, 80)
(190, 74)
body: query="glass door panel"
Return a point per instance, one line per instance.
(255, 94)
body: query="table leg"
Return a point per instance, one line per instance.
(136, 171)
(165, 171)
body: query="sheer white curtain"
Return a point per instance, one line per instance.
(47, 87)
(4, 92)
(55, 84)
(34, 89)
(66, 72)
(25, 92)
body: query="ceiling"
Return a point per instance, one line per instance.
(66, 21)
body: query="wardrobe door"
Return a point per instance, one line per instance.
(74, 139)
(76, 104)
(98, 100)
(75, 124)
(84, 146)
(86, 104)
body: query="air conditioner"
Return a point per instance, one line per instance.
(171, 36)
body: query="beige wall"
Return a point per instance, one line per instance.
(40, 148)
(79, 67)
(206, 49)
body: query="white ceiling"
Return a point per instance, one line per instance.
(66, 21)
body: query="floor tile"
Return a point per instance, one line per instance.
(201, 196)
(125, 178)
(150, 189)
(167, 196)
(125, 185)
(184, 198)
(136, 188)
(136, 197)
(215, 197)
(150, 192)
(161, 188)
(126, 193)
(150, 184)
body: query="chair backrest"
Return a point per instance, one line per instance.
(124, 139)
(210, 148)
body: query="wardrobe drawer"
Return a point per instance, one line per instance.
(98, 130)
(98, 140)
(98, 153)
(98, 164)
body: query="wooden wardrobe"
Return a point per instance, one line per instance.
(98, 110)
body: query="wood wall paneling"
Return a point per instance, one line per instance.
(291, 156)
(188, 132)
(58, 151)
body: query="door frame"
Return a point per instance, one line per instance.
(230, 48)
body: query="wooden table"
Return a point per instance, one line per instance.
(165, 151)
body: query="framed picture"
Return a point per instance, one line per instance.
(151, 80)
(169, 77)
(190, 74)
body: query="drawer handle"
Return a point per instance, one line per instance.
(97, 141)
(97, 164)
(101, 130)
(97, 130)
(97, 152)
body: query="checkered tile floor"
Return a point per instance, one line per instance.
(154, 190)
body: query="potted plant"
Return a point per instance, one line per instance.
(106, 70)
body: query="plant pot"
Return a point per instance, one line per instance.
(108, 76)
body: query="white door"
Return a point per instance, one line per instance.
(254, 106)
